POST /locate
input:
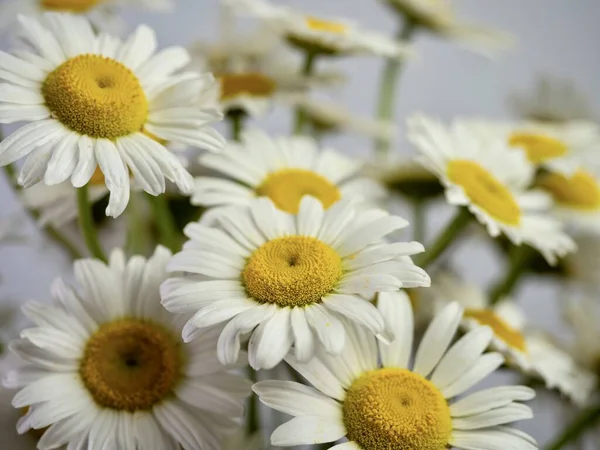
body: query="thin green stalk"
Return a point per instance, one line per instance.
(519, 260)
(419, 221)
(236, 119)
(86, 223)
(137, 232)
(389, 84)
(445, 238)
(586, 419)
(309, 64)
(169, 235)
(253, 419)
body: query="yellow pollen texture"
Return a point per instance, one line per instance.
(502, 330)
(538, 148)
(76, 6)
(396, 409)
(579, 191)
(327, 26)
(96, 96)
(292, 271)
(485, 191)
(131, 365)
(287, 187)
(252, 84)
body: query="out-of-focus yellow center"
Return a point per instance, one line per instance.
(539, 148)
(327, 26)
(96, 96)
(485, 191)
(396, 409)
(502, 330)
(131, 365)
(292, 271)
(580, 190)
(253, 84)
(75, 6)
(286, 188)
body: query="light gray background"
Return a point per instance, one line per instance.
(559, 37)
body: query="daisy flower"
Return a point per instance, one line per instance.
(371, 396)
(288, 279)
(552, 100)
(318, 35)
(491, 180)
(101, 13)
(439, 17)
(283, 169)
(96, 101)
(524, 347)
(107, 368)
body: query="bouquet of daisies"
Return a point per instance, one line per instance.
(216, 282)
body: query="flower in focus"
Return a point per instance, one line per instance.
(96, 101)
(438, 16)
(317, 35)
(491, 180)
(284, 170)
(101, 13)
(371, 396)
(524, 347)
(106, 366)
(553, 100)
(288, 279)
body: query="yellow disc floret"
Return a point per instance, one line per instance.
(131, 365)
(287, 187)
(396, 409)
(539, 148)
(252, 84)
(292, 271)
(502, 330)
(327, 26)
(485, 191)
(96, 96)
(579, 191)
(75, 6)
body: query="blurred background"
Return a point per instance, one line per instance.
(555, 37)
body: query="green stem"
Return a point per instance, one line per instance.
(585, 420)
(169, 235)
(419, 221)
(236, 119)
(253, 419)
(389, 84)
(445, 238)
(309, 64)
(86, 223)
(519, 259)
(137, 232)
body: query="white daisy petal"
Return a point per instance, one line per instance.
(499, 416)
(490, 399)
(271, 341)
(304, 339)
(308, 430)
(296, 399)
(398, 317)
(477, 372)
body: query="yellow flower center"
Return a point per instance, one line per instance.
(96, 96)
(131, 365)
(252, 84)
(485, 191)
(286, 188)
(292, 271)
(502, 330)
(75, 6)
(396, 409)
(327, 26)
(580, 190)
(539, 148)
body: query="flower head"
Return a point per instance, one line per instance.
(288, 279)
(93, 100)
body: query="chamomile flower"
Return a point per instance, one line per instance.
(288, 279)
(284, 169)
(101, 13)
(525, 348)
(107, 368)
(552, 100)
(438, 16)
(583, 316)
(371, 396)
(491, 180)
(95, 101)
(318, 35)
